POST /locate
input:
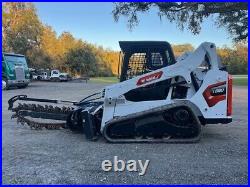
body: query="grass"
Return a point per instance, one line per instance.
(238, 80)
(104, 80)
(240, 76)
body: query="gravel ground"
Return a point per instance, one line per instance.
(63, 157)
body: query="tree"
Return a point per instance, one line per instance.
(107, 61)
(180, 49)
(81, 61)
(233, 16)
(39, 59)
(66, 42)
(21, 27)
(49, 42)
(235, 59)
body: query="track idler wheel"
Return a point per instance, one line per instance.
(182, 122)
(181, 116)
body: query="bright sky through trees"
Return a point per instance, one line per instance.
(94, 23)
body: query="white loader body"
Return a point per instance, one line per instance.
(116, 106)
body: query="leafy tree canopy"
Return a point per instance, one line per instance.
(21, 27)
(231, 15)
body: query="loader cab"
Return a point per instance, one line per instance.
(140, 57)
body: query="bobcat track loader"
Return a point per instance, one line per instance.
(158, 98)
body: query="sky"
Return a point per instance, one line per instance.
(93, 22)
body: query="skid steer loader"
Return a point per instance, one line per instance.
(158, 98)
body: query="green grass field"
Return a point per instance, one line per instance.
(238, 80)
(104, 80)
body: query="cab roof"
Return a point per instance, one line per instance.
(127, 46)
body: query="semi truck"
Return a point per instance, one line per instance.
(15, 71)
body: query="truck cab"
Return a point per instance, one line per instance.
(15, 70)
(58, 76)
